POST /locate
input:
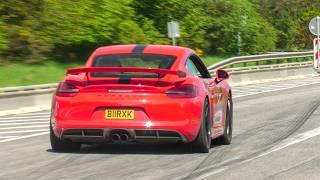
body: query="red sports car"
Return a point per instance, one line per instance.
(141, 93)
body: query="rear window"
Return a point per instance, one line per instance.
(132, 60)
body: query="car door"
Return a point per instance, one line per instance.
(195, 66)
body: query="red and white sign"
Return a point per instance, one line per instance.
(316, 49)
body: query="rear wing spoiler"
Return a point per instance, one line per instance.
(124, 69)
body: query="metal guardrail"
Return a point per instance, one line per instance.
(223, 64)
(28, 89)
(257, 58)
(261, 68)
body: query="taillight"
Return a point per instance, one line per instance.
(184, 91)
(66, 90)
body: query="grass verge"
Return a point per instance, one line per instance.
(20, 74)
(209, 60)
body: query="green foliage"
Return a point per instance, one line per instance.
(303, 37)
(86, 21)
(290, 19)
(23, 29)
(230, 19)
(35, 30)
(193, 34)
(3, 38)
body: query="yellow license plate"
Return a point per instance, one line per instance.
(124, 114)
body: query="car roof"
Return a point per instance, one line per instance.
(180, 53)
(145, 49)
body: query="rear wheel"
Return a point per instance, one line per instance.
(62, 145)
(227, 136)
(203, 141)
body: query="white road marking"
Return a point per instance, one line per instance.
(24, 127)
(24, 123)
(283, 144)
(33, 114)
(6, 137)
(255, 87)
(290, 141)
(259, 88)
(261, 92)
(23, 137)
(23, 131)
(278, 85)
(25, 120)
(23, 117)
(210, 173)
(274, 86)
(244, 92)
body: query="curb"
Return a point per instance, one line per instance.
(25, 93)
(26, 90)
(272, 80)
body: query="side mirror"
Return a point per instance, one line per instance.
(222, 75)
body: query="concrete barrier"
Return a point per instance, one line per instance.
(23, 101)
(238, 79)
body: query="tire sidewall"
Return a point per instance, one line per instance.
(202, 143)
(229, 120)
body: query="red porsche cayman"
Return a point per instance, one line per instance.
(141, 93)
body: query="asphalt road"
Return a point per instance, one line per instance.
(276, 136)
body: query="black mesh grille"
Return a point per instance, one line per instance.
(168, 134)
(146, 133)
(93, 132)
(83, 132)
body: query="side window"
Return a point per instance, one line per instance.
(192, 68)
(201, 69)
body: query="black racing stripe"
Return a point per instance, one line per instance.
(139, 49)
(124, 80)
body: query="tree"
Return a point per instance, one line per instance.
(23, 29)
(291, 19)
(35, 30)
(84, 25)
(230, 18)
(3, 38)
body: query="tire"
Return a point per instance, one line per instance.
(227, 135)
(58, 145)
(202, 143)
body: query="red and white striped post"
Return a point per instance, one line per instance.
(316, 49)
(314, 27)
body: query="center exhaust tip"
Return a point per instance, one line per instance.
(124, 137)
(115, 137)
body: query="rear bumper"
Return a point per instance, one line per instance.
(153, 112)
(99, 131)
(134, 135)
